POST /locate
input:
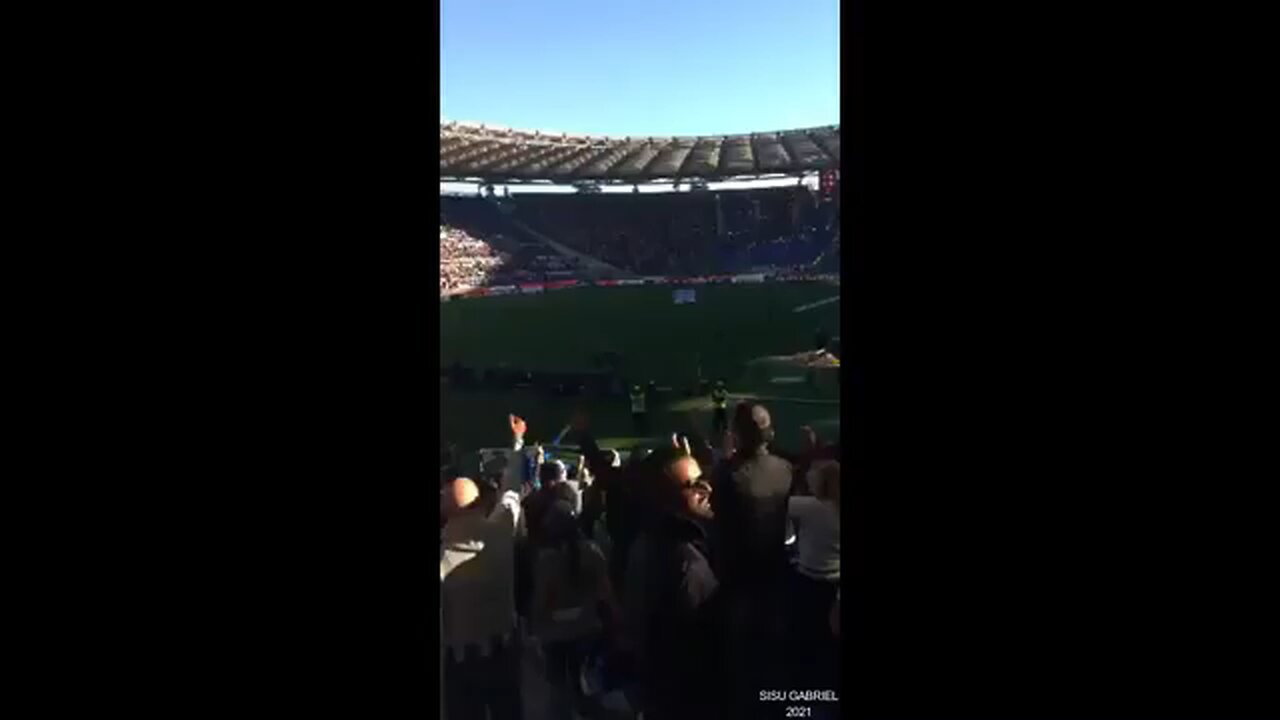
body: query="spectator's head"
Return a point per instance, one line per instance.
(824, 480)
(459, 495)
(494, 467)
(752, 427)
(489, 492)
(553, 472)
(671, 480)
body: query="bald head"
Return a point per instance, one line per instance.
(460, 494)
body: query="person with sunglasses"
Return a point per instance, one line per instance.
(671, 593)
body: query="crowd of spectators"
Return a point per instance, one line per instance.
(479, 249)
(686, 580)
(688, 233)
(467, 261)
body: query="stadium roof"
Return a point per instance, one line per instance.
(493, 154)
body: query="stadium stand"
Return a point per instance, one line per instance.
(645, 234)
(635, 234)
(479, 248)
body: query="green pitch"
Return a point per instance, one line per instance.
(719, 336)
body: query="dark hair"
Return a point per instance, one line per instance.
(489, 493)
(664, 457)
(651, 481)
(551, 471)
(752, 425)
(561, 529)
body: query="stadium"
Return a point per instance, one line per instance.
(663, 262)
(640, 373)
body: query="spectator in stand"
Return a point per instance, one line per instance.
(465, 260)
(684, 233)
(555, 487)
(477, 575)
(615, 486)
(816, 578)
(571, 580)
(750, 503)
(470, 258)
(593, 497)
(552, 487)
(672, 593)
(812, 450)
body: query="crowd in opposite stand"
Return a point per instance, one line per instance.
(465, 260)
(488, 242)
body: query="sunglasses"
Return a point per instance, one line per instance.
(698, 485)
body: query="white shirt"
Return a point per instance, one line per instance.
(818, 535)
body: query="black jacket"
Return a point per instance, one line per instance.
(672, 603)
(749, 498)
(537, 504)
(620, 507)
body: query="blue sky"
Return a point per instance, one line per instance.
(641, 67)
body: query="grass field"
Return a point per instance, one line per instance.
(728, 327)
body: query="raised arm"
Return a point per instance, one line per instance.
(514, 473)
(598, 461)
(507, 511)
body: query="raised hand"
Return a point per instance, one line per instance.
(518, 425)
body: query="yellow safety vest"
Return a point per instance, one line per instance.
(720, 398)
(637, 403)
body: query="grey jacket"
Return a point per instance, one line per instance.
(477, 569)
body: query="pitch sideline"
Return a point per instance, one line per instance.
(817, 304)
